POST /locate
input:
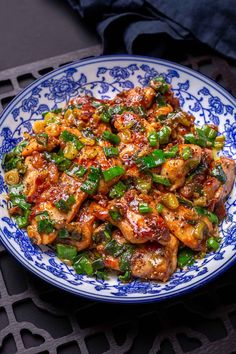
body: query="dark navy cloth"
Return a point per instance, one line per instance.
(130, 24)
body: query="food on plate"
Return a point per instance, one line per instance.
(130, 184)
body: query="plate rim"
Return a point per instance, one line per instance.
(109, 298)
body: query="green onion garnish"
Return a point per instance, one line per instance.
(65, 205)
(219, 173)
(156, 158)
(172, 152)
(161, 180)
(115, 215)
(159, 208)
(113, 138)
(144, 208)
(113, 172)
(111, 151)
(164, 135)
(77, 171)
(118, 190)
(90, 186)
(186, 153)
(212, 244)
(152, 138)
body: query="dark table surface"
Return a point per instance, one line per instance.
(38, 318)
(31, 30)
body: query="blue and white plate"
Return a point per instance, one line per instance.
(104, 77)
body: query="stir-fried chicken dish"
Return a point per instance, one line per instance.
(128, 184)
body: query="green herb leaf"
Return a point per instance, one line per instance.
(185, 257)
(118, 190)
(219, 173)
(65, 205)
(66, 251)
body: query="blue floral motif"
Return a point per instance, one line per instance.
(29, 104)
(59, 88)
(8, 142)
(119, 73)
(230, 129)
(216, 105)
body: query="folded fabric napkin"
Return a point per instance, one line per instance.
(130, 24)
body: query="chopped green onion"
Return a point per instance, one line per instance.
(159, 208)
(113, 172)
(62, 162)
(45, 226)
(65, 205)
(15, 190)
(191, 139)
(143, 185)
(113, 138)
(90, 186)
(77, 171)
(212, 134)
(23, 221)
(126, 277)
(105, 117)
(186, 153)
(172, 152)
(164, 135)
(144, 208)
(42, 139)
(98, 264)
(212, 244)
(118, 190)
(20, 201)
(111, 151)
(83, 265)
(13, 159)
(115, 215)
(63, 233)
(212, 217)
(125, 258)
(219, 173)
(152, 138)
(156, 158)
(114, 248)
(161, 101)
(66, 251)
(69, 137)
(218, 145)
(170, 201)
(184, 201)
(161, 180)
(42, 215)
(185, 257)
(159, 84)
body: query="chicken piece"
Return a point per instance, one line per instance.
(136, 227)
(155, 262)
(224, 190)
(149, 261)
(39, 176)
(176, 169)
(195, 182)
(66, 187)
(33, 145)
(182, 224)
(56, 215)
(207, 192)
(40, 239)
(138, 96)
(228, 166)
